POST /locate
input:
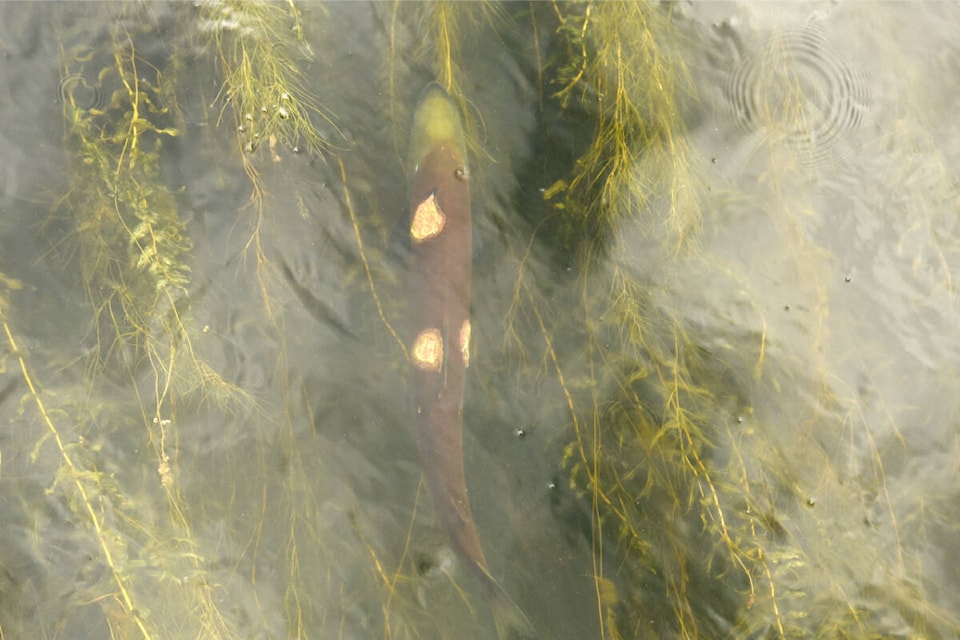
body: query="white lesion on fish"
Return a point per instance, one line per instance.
(428, 220)
(465, 342)
(428, 350)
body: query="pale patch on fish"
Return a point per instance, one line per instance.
(428, 350)
(465, 342)
(428, 220)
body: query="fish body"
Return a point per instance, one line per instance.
(440, 237)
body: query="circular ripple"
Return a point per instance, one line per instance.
(75, 90)
(798, 90)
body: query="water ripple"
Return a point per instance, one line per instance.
(74, 89)
(799, 90)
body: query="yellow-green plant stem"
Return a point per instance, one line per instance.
(76, 475)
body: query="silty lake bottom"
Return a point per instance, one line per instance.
(713, 385)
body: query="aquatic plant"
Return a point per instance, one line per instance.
(678, 441)
(684, 474)
(132, 253)
(258, 46)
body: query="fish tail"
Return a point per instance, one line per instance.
(511, 622)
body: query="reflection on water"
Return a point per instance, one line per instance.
(715, 385)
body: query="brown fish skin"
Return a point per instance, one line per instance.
(440, 234)
(440, 294)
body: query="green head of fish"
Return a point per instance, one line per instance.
(436, 121)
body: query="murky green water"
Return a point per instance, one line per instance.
(713, 389)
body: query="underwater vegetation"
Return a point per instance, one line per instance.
(227, 453)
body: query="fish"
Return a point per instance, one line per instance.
(439, 290)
